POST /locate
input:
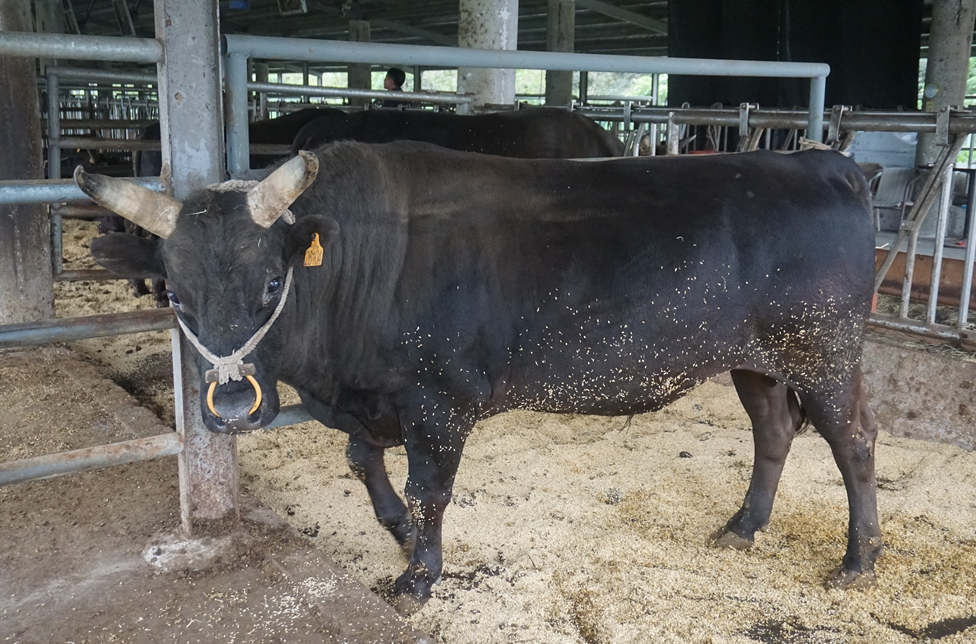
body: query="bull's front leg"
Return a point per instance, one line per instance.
(434, 438)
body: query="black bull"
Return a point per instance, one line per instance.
(456, 286)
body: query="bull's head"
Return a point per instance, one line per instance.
(228, 256)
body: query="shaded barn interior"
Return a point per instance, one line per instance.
(872, 47)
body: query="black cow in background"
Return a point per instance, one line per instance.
(528, 133)
(281, 130)
(454, 286)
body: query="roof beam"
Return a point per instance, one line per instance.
(433, 36)
(626, 15)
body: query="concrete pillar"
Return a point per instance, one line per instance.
(360, 76)
(560, 32)
(49, 18)
(26, 286)
(950, 43)
(191, 123)
(488, 24)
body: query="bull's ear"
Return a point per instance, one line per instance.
(302, 232)
(129, 256)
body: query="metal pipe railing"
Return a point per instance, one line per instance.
(94, 143)
(58, 191)
(89, 458)
(300, 49)
(53, 128)
(347, 92)
(139, 449)
(31, 334)
(771, 118)
(70, 46)
(938, 243)
(101, 75)
(907, 325)
(967, 276)
(81, 212)
(103, 124)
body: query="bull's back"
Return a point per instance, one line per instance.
(621, 284)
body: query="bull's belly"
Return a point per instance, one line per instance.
(612, 388)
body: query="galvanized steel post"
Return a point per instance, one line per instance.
(53, 125)
(818, 93)
(238, 139)
(191, 122)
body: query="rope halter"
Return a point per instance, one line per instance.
(232, 367)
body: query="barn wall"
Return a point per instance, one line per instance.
(921, 394)
(872, 47)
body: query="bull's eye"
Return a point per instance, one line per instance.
(274, 288)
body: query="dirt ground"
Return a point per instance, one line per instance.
(98, 556)
(574, 529)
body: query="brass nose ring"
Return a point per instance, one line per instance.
(254, 407)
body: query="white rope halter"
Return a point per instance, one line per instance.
(232, 367)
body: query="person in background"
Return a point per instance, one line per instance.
(393, 82)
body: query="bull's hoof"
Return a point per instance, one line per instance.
(846, 579)
(725, 538)
(407, 605)
(410, 593)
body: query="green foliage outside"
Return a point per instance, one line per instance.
(529, 83)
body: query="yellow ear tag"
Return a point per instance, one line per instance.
(313, 256)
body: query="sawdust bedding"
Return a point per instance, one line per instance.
(577, 529)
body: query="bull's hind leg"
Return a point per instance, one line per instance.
(846, 422)
(366, 463)
(775, 416)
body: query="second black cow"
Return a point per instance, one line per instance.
(528, 133)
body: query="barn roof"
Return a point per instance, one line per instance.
(602, 26)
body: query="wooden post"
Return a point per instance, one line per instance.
(560, 35)
(26, 287)
(360, 76)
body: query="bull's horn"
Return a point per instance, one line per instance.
(153, 211)
(270, 198)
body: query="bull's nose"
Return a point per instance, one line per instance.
(235, 425)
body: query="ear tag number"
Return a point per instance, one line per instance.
(313, 256)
